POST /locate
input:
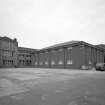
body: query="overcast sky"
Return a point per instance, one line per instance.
(41, 23)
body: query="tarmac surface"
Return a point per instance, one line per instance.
(35, 86)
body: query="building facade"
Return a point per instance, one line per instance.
(69, 55)
(26, 57)
(103, 47)
(8, 52)
(13, 56)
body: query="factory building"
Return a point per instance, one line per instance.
(70, 55)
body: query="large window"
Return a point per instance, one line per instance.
(8, 62)
(60, 62)
(69, 62)
(52, 63)
(69, 48)
(7, 53)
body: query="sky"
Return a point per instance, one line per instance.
(41, 23)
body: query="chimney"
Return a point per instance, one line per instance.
(15, 39)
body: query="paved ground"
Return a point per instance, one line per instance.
(31, 86)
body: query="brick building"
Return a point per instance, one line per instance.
(8, 52)
(103, 47)
(26, 57)
(70, 55)
(13, 56)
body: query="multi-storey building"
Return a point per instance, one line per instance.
(8, 52)
(13, 56)
(26, 57)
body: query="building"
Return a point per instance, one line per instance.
(13, 56)
(26, 57)
(70, 55)
(8, 52)
(102, 46)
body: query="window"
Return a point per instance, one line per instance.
(90, 62)
(46, 52)
(53, 51)
(69, 48)
(12, 61)
(82, 46)
(69, 62)
(12, 53)
(41, 63)
(3, 62)
(61, 49)
(36, 63)
(7, 53)
(60, 62)
(52, 62)
(46, 63)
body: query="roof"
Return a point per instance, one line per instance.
(24, 49)
(101, 46)
(61, 44)
(7, 39)
(72, 43)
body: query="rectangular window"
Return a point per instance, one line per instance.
(61, 49)
(7, 53)
(53, 51)
(82, 46)
(60, 62)
(90, 62)
(46, 63)
(3, 62)
(52, 62)
(69, 62)
(12, 53)
(46, 52)
(36, 63)
(41, 63)
(69, 48)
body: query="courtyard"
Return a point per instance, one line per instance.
(37, 86)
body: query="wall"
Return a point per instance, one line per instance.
(44, 59)
(8, 53)
(25, 59)
(70, 57)
(36, 60)
(74, 56)
(57, 58)
(93, 56)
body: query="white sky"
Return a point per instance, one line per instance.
(41, 23)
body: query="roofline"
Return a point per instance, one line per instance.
(8, 39)
(26, 48)
(73, 44)
(53, 46)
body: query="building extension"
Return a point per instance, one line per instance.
(70, 55)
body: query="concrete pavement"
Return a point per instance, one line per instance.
(32, 86)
